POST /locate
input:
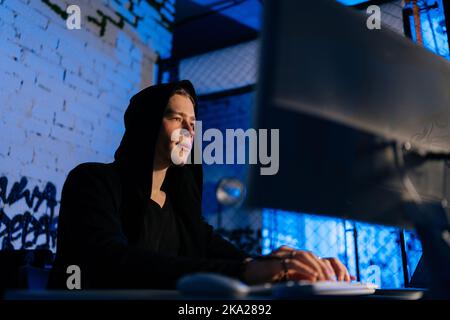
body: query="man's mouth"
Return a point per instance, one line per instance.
(185, 145)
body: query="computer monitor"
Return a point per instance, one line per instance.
(343, 97)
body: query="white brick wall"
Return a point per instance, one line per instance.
(63, 92)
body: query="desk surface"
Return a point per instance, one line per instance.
(176, 295)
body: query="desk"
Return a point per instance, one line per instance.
(176, 295)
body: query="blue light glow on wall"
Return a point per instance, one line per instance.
(351, 2)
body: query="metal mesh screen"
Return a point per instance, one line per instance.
(222, 70)
(379, 255)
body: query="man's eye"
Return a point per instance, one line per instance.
(178, 119)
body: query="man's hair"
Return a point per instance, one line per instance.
(183, 92)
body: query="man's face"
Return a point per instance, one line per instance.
(177, 131)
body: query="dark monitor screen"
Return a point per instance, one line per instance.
(341, 96)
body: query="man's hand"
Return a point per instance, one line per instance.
(324, 268)
(291, 264)
(272, 270)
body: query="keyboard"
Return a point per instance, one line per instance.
(300, 288)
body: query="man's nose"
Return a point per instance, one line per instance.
(189, 128)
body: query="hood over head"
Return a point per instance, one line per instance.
(134, 157)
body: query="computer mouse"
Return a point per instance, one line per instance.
(206, 283)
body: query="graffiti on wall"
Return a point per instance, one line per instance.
(102, 20)
(34, 227)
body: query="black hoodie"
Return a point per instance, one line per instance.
(104, 216)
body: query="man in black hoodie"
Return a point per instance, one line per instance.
(137, 222)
